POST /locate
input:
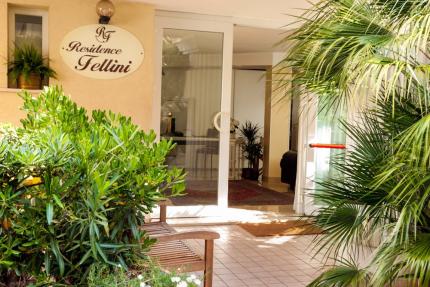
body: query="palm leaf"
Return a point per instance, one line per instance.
(347, 274)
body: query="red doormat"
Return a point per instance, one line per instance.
(241, 192)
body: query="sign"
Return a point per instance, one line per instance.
(102, 51)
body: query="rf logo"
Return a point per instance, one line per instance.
(102, 35)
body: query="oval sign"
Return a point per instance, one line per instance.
(102, 51)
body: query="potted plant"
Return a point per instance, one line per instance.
(252, 148)
(28, 67)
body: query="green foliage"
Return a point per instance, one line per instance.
(74, 189)
(252, 145)
(27, 59)
(347, 49)
(350, 52)
(148, 275)
(103, 276)
(381, 196)
(345, 275)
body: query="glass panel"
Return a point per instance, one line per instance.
(330, 131)
(190, 99)
(28, 30)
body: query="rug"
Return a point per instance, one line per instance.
(292, 227)
(241, 192)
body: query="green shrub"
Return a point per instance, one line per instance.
(149, 276)
(74, 189)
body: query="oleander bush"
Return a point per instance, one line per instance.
(74, 190)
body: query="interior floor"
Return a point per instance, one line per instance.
(275, 183)
(241, 193)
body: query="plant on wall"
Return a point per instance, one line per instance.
(74, 190)
(350, 52)
(28, 67)
(252, 148)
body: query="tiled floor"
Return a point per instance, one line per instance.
(244, 260)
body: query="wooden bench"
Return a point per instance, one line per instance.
(173, 254)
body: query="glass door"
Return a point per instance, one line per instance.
(321, 141)
(194, 101)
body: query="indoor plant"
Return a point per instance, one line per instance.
(252, 148)
(28, 67)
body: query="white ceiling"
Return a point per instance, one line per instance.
(256, 40)
(273, 14)
(246, 40)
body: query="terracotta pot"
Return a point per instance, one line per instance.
(34, 82)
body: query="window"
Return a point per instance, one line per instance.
(28, 26)
(28, 30)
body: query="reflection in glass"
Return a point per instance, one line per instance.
(329, 130)
(190, 98)
(28, 30)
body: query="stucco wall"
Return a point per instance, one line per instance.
(131, 95)
(280, 117)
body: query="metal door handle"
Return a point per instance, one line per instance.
(215, 121)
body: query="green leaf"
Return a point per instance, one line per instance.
(58, 201)
(49, 212)
(101, 252)
(84, 258)
(47, 263)
(58, 256)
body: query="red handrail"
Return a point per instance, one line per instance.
(321, 145)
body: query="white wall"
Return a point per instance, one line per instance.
(279, 105)
(248, 96)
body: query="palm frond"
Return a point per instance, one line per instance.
(346, 274)
(346, 46)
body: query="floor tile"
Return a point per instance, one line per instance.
(244, 260)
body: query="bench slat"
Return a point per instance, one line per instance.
(173, 254)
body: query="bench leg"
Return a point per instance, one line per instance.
(163, 213)
(209, 262)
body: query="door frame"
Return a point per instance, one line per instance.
(303, 201)
(206, 23)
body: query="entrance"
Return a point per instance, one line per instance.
(321, 140)
(197, 102)
(194, 96)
